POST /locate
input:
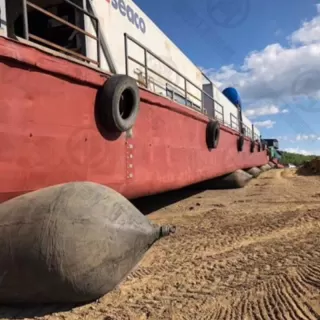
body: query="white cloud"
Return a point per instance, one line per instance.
(277, 74)
(307, 137)
(278, 32)
(309, 32)
(300, 137)
(264, 111)
(265, 124)
(302, 151)
(283, 138)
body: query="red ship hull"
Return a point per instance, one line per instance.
(49, 133)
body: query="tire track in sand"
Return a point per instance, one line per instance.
(252, 253)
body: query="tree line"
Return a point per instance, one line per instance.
(295, 158)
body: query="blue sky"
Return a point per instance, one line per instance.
(268, 50)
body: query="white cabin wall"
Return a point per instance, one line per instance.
(91, 44)
(257, 132)
(248, 124)
(228, 108)
(3, 18)
(114, 25)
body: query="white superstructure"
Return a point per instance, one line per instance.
(3, 18)
(119, 17)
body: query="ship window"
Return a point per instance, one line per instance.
(51, 32)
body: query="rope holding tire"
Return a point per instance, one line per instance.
(240, 143)
(119, 103)
(213, 134)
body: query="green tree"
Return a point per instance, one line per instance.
(295, 158)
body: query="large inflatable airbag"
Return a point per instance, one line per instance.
(255, 172)
(69, 243)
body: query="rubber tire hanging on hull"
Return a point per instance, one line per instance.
(259, 147)
(240, 143)
(119, 103)
(252, 145)
(213, 134)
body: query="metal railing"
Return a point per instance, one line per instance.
(28, 35)
(217, 114)
(147, 69)
(247, 131)
(234, 122)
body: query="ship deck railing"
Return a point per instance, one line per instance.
(217, 108)
(234, 122)
(217, 114)
(96, 37)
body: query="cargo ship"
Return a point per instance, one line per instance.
(93, 90)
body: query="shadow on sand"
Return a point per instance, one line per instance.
(150, 204)
(146, 205)
(32, 311)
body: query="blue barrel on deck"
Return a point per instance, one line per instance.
(233, 95)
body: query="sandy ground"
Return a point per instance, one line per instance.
(251, 253)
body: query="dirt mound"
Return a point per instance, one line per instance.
(289, 172)
(251, 253)
(311, 167)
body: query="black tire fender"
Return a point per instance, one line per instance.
(252, 145)
(119, 103)
(259, 147)
(240, 143)
(213, 134)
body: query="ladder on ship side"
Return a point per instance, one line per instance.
(60, 27)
